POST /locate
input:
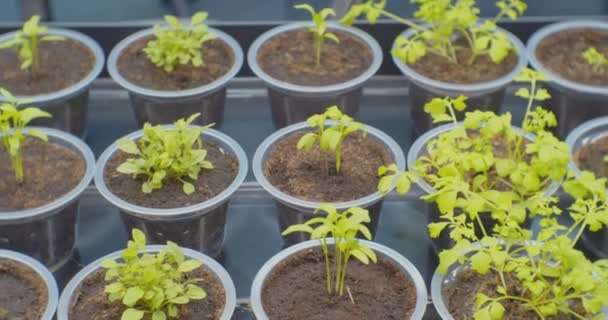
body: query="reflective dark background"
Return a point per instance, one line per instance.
(249, 10)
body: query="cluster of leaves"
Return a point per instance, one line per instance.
(445, 19)
(552, 275)
(319, 30)
(343, 227)
(330, 138)
(179, 44)
(154, 284)
(12, 124)
(595, 58)
(26, 43)
(176, 153)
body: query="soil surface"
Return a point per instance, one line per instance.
(297, 289)
(62, 64)
(483, 69)
(461, 297)
(291, 57)
(171, 195)
(304, 175)
(133, 64)
(50, 171)
(90, 302)
(23, 293)
(591, 157)
(562, 54)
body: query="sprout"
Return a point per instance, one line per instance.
(595, 58)
(319, 30)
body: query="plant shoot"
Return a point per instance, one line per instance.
(596, 59)
(26, 42)
(343, 228)
(330, 138)
(179, 44)
(12, 125)
(151, 284)
(445, 22)
(161, 154)
(319, 30)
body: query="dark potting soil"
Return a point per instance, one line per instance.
(23, 293)
(591, 157)
(62, 64)
(291, 57)
(461, 297)
(209, 183)
(562, 53)
(297, 289)
(133, 64)
(303, 174)
(50, 171)
(481, 70)
(90, 302)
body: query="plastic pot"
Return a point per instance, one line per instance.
(69, 106)
(291, 103)
(573, 103)
(292, 210)
(65, 301)
(164, 106)
(589, 132)
(487, 95)
(382, 251)
(48, 233)
(433, 214)
(45, 275)
(200, 226)
(440, 282)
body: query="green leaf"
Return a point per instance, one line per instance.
(189, 265)
(436, 228)
(199, 18)
(188, 188)
(139, 238)
(37, 134)
(159, 315)
(127, 146)
(297, 228)
(132, 295)
(307, 141)
(497, 311)
(132, 314)
(481, 262)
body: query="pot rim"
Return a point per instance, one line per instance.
(44, 273)
(421, 142)
(181, 212)
(538, 36)
(57, 204)
(221, 273)
(373, 45)
(503, 81)
(266, 146)
(579, 135)
(406, 266)
(215, 85)
(79, 86)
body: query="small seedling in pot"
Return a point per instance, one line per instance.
(343, 228)
(595, 58)
(166, 154)
(151, 284)
(330, 138)
(319, 30)
(445, 21)
(179, 44)
(484, 165)
(12, 124)
(26, 42)
(548, 276)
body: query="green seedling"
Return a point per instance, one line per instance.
(12, 124)
(444, 21)
(179, 44)
(485, 165)
(551, 276)
(319, 30)
(26, 42)
(595, 58)
(330, 138)
(343, 227)
(166, 154)
(151, 285)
